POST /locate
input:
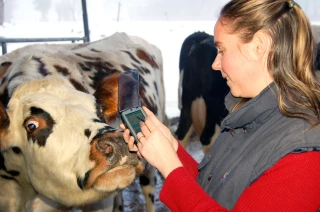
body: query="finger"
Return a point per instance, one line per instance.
(122, 126)
(140, 135)
(149, 123)
(151, 115)
(139, 155)
(126, 135)
(131, 145)
(147, 111)
(144, 129)
(139, 145)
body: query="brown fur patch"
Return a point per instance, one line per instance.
(4, 120)
(146, 57)
(78, 86)
(107, 96)
(64, 71)
(4, 67)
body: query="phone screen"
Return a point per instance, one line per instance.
(134, 119)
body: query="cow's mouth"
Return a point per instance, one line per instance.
(112, 180)
(115, 167)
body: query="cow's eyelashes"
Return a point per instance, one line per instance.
(31, 125)
(101, 110)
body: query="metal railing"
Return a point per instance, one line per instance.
(86, 37)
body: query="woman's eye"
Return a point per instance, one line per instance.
(32, 125)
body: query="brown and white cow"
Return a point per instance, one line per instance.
(58, 133)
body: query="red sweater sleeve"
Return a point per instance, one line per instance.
(188, 162)
(292, 184)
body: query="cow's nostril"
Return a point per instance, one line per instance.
(105, 147)
(16, 150)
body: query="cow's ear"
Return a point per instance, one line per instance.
(4, 67)
(4, 118)
(107, 96)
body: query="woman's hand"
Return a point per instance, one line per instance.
(156, 144)
(165, 130)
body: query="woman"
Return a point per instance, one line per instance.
(267, 156)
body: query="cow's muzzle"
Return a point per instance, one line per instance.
(113, 160)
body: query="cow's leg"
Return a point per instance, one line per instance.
(185, 141)
(118, 203)
(211, 120)
(185, 122)
(206, 148)
(215, 113)
(148, 186)
(105, 205)
(180, 89)
(198, 114)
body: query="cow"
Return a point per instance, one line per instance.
(201, 92)
(60, 142)
(318, 58)
(316, 33)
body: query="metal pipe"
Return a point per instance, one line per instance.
(85, 21)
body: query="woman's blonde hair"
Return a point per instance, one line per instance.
(291, 61)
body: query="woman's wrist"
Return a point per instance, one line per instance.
(168, 168)
(175, 143)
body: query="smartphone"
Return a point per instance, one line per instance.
(131, 118)
(129, 104)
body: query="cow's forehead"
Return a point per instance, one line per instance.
(52, 89)
(50, 84)
(64, 104)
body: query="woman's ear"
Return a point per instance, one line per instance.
(260, 44)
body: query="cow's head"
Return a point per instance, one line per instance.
(64, 150)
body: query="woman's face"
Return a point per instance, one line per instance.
(240, 63)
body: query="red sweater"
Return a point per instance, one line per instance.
(292, 184)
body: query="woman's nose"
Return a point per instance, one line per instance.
(216, 65)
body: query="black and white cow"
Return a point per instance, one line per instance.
(202, 90)
(316, 33)
(318, 58)
(58, 128)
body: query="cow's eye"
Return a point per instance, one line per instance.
(31, 125)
